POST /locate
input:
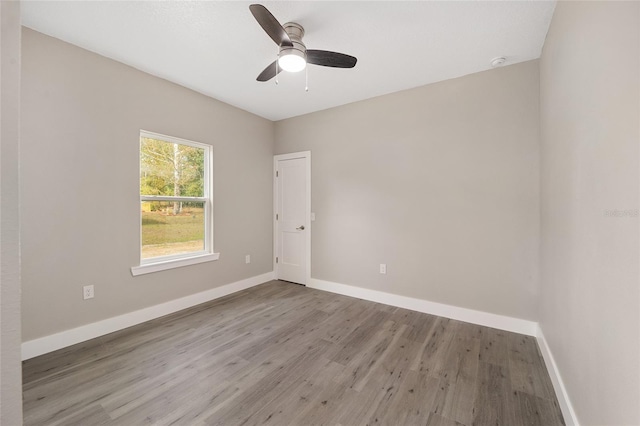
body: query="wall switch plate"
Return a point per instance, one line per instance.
(313, 216)
(87, 292)
(383, 268)
(247, 259)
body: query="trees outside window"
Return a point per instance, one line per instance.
(175, 198)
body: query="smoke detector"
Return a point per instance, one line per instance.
(498, 62)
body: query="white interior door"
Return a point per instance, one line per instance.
(292, 229)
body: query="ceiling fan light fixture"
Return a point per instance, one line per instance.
(292, 60)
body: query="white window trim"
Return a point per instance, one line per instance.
(163, 263)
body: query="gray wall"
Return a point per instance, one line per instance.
(590, 124)
(440, 182)
(10, 366)
(81, 117)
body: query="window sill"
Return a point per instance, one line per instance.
(171, 264)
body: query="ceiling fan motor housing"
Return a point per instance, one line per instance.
(295, 32)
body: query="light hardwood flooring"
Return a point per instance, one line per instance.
(279, 354)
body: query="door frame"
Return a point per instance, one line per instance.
(291, 156)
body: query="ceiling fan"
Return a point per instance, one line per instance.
(293, 55)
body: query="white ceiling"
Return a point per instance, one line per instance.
(218, 49)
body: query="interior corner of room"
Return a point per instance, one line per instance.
(506, 198)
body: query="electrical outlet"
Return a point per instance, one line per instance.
(87, 292)
(383, 268)
(247, 259)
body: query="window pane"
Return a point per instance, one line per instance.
(170, 228)
(171, 169)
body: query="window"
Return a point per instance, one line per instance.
(175, 203)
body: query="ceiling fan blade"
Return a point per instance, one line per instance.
(330, 59)
(270, 25)
(269, 72)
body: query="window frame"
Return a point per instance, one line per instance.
(161, 263)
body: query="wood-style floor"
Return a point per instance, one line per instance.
(281, 354)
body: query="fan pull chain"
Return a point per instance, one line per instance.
(306, 79)
(277, 57)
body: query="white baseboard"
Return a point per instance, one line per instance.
(53, 342)
(501, 322)
(568, 412)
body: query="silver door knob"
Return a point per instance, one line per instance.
(300, 228)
